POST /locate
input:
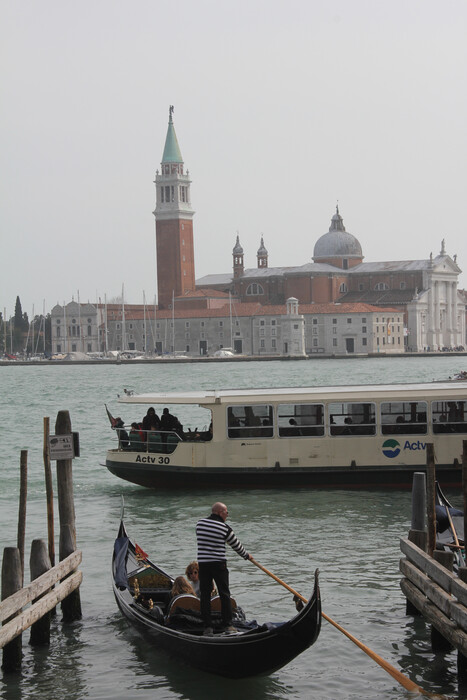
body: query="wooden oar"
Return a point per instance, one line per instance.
(451, 525)
(399, 677)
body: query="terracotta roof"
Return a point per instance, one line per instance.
(249, 310)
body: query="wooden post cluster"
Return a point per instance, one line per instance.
(49, 584)
(440, 597)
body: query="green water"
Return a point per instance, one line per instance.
(352, 537)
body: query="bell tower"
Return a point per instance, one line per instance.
(174, 224)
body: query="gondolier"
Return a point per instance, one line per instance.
(212, 534)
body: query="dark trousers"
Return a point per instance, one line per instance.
(218, 572)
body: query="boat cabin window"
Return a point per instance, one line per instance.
(300, 419)
(404, 418)
(449, 416)
(352, 418)
(249, 421)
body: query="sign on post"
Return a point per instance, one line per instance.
(61, 446)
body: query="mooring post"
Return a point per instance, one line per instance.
(430, 497)
(39, 563)
(12, 573)
(71, 606)
(23, 494)
(417, 532)
(49, 492)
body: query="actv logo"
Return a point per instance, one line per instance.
(391, 448)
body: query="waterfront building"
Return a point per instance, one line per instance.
(289, 330)
(75, 328)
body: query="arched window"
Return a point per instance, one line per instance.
(343, 288)
(254, 289)
(381, 287)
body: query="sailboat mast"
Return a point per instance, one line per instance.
(144, 323)
(65, 330)
(123, 321)
(105, 325)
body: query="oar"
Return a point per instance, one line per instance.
(453, 529)
(400, 678)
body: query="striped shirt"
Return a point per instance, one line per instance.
(212, 533)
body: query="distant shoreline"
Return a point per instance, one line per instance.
(243, 358)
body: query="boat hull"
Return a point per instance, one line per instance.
(180, 477)
(235, 656)
(257, 651)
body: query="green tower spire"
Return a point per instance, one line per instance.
(172, 152)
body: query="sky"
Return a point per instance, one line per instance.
(282, 109)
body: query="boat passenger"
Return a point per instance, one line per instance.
(171, 424)
(212, 534)
(136, 430)
(192, 574)
(181, 587)
(151, 421)
(123, 439)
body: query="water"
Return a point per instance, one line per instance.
(352, 537)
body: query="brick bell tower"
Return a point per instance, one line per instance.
(174, 224)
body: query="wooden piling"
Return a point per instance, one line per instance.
(39, 563)
(23, 493)
(71, 606)
(430, 497)
(11, 582)
(49, 492)
(417, 532)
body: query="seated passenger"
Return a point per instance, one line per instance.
(192, 574)
(136, 430)
(181, 587)
(123, 439)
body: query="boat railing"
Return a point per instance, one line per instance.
(159, 441)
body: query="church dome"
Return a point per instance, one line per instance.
(337, 242)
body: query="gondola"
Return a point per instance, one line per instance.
(449, 527)
(142, 591)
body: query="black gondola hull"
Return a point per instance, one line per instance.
(250, 653)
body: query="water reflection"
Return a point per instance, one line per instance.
(155, 670)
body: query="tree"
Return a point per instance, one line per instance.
(18, 314)
(20, 327)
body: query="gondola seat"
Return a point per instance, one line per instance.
(186, 601)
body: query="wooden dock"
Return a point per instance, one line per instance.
(430, 585)
(31, 606)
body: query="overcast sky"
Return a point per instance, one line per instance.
(281, 109)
